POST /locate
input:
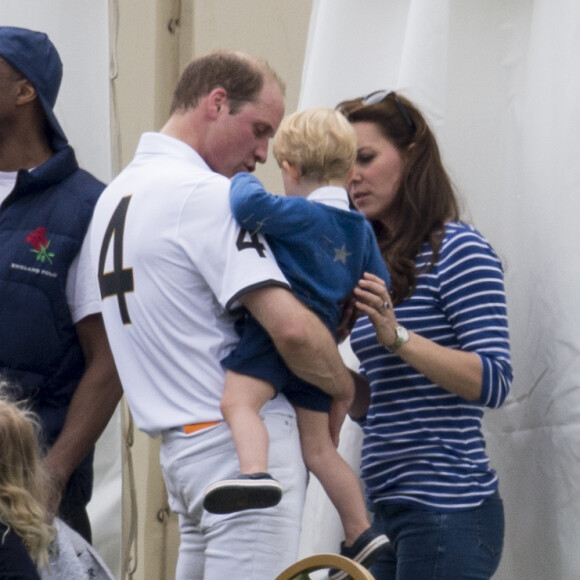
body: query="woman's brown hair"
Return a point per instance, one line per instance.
(425, 199)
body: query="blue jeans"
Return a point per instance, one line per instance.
(425, 545)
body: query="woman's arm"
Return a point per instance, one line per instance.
(457, 371)
(459, 313)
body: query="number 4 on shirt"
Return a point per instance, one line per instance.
(254, 243)
(119, 281)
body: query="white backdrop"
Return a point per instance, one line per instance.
(499, 81)
(80, 31)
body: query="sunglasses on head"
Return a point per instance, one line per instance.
(377, 97)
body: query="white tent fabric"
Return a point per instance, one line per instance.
(80, 31)
(498, 80)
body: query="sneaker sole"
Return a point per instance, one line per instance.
(234, 495)
(366, 557)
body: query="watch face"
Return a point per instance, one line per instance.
(402, 334)
(402, 337)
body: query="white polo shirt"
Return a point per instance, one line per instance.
(165, 228)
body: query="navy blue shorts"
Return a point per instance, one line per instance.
(256, 356)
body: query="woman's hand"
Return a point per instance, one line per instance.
(454, 370)
(372, 298)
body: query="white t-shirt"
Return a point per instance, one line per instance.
(81, 293)
(181, 267)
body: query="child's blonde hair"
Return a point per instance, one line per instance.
(23, 482)
(318, 140)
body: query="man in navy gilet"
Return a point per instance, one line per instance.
(53, 347)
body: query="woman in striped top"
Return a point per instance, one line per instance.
(434, 350)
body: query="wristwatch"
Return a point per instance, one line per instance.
(402, 337)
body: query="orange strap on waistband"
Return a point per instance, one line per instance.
(189, 429)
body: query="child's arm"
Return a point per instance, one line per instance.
(256, 210)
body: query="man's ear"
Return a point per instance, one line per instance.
(26, 92)
(294, 171)
(217, 99)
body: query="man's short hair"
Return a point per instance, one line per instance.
(318, 140)
(240, 75)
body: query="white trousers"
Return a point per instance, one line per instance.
(252, 544)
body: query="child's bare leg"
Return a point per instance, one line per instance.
(253, 488)
(242, 400)
(337, 478)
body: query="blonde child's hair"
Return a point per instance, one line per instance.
(318, 140)
(23, 482)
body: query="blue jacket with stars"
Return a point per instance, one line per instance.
(323, 249)
(42, 226)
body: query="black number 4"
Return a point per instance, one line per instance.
(242, 243)
(120, 280)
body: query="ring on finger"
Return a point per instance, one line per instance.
(384, 306)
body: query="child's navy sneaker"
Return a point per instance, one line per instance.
(365, 550)
(247, 491)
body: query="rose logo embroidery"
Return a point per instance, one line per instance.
(37, 239)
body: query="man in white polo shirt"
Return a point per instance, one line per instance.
(173, 268)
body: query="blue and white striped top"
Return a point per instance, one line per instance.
(423, 445)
